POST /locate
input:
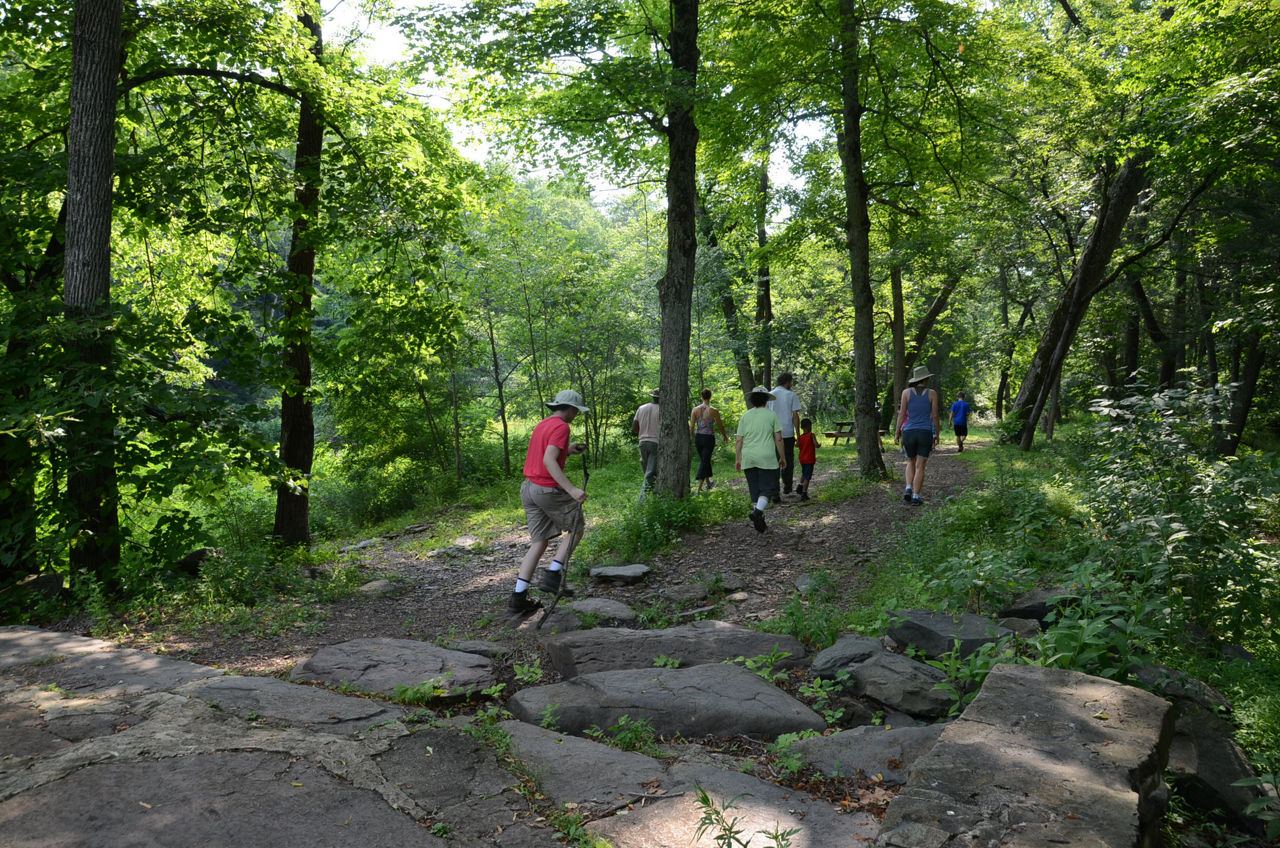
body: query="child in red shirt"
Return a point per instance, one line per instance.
(808, 445)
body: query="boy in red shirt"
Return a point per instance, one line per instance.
(808, 445)
(552, 504)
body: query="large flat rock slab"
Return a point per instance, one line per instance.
(206, 799)
(589, 651)
(272, 700)
(760, 809)
(579, 771)
(22, 645)
(116, 672)
(380, 665)
(1041, 757)
(936, 633)
(874, 751)
(716, 699)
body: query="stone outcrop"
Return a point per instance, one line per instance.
(713, 699)
(936, 633)
(381, 665)
(1041, 757)
(875, 751)
(588, 651)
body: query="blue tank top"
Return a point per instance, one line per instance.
(919, 411)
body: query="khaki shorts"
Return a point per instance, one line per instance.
(550, 511)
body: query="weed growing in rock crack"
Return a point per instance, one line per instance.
(420, 694)
(550, 718)
(664, 661)
(528, 673)
(821, 691)
(628, 735)
(441, 830)
(765, 665)
(725, 831)
(483, 727)
(571, 828)
(788, 762)
(588, 620)
(658, 616)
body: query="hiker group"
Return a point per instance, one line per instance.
(765, 453)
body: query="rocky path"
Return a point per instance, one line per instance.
(459, 591)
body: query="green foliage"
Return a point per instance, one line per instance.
(484, 728)
(1266, 809)
(966, 674)
(628, 735)
(814, 616)
(765, 666)
(785, 757)
(550, 717)
(725, 831)
(820, 692)
(420, 694)
(664, 661)
(527, 674)
(656, 523)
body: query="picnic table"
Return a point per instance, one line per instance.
(844, 430)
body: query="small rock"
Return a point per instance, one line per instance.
(377, 588)
(622, 575)
(467, 542)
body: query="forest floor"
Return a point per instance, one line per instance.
(460, 591)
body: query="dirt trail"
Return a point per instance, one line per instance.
(459, 592)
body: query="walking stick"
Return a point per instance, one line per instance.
(564, 578)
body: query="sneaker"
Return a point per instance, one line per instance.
(551, 581)
(906, 496)
(916, 502)
(711, 484)
(757, 518)
(521, 604)
(961, 450)
(804, 496)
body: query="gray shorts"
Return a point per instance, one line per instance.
(550, 511)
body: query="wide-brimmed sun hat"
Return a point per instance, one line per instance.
(569, 397)
(920, 372)
(761, 390)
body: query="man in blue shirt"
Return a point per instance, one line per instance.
(959, 419)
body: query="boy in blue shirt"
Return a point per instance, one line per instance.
(959, 419)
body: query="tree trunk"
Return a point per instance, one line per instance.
(500, 382)
(297, 426)
(91, 473)
(1164, 344)
(738, 342)
(675, 289)
(1242, 393)
(1087, 279)
(858, 236)
(890, 408)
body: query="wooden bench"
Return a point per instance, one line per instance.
(844, 430)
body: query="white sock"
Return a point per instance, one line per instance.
(522, 585)
(555, 565)
(761, 503)
(908, 491)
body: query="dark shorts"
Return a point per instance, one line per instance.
(761, 481)
(806, 470)
(550, 511)
(962, 429)
(917, 443)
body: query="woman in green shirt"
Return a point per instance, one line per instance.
(758, 453)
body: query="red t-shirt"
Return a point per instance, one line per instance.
(552, 430)
(808, 445)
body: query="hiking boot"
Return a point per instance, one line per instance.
(757, 518)
(551, 581)
(804, 496)
(521, 604)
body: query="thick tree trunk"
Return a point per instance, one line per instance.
(1117, 201)
(889, 409)
(297, 426)
(858, 236)
(91, 472)
(675, 289)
